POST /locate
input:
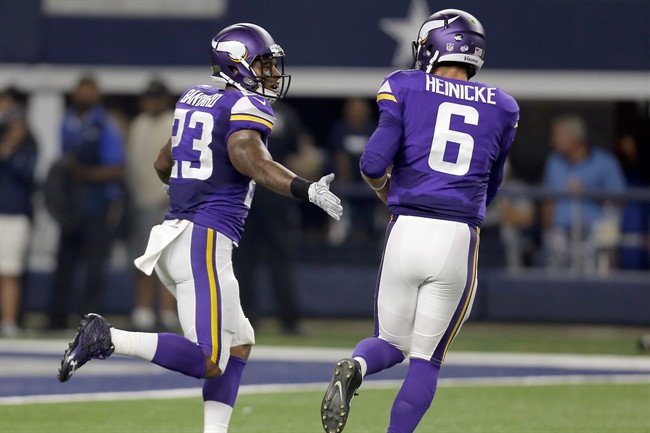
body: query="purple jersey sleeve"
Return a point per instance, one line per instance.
(385, 141)
(204, 186)
(251, 112)
(382, 146)
(453, 140)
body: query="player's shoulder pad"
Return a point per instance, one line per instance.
(507, 102)
(253, 108)
(200, 96)
(191, 89)
(395, 82)
(509, 105)
(389, 87)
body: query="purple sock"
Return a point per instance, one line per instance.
(415, 396)
(177, 353)
(225, 387)
(378, 354)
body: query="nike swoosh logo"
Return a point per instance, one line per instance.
(338, 385)
(435, 24)
(260, 100)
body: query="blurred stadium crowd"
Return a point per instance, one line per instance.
(591, 219)
(576, 197)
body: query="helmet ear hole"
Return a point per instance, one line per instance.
(429, 50)
(233, 70)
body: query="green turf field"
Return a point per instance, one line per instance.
(587, 408)
(537, 409)
(476, 336)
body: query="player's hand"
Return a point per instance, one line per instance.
(321, 196)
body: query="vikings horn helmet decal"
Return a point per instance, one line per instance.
(235, 49)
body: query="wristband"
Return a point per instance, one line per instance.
(382, 185)
(300, 188)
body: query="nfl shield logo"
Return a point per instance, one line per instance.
(450, 46)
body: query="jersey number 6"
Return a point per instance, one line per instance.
(442, 135)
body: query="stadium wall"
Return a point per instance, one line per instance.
(536, 297)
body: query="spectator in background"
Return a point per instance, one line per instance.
(149, 130)
(348, 139)
(575, 167)
(91, 172)
(635, 242)
(18, 153)
(516, 214)
(273, 222)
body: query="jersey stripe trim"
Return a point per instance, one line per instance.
(246, 106)
(387, 96)
(251, 118)
(214, 296)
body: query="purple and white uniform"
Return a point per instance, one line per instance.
(447, 141)
(209, 202)
(205, 187)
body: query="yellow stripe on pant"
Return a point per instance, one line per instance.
(214, 295)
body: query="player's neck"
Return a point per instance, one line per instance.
(451, 72)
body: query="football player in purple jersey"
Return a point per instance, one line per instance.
(436, 159)
(216, 155)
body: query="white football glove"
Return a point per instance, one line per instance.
(321, 196)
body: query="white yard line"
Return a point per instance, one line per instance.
(307, 387)
(318, 354)
(17, 362)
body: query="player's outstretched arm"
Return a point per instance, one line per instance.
(251, 158)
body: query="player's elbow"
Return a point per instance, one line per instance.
(163, 168)
(371, 170)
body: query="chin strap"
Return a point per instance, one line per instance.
(223, 80)
(432, 62)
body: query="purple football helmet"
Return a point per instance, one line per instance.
(450, 35)
(233, 51)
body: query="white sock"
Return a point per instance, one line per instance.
(139, 344)
(216, 417)
(363, 364)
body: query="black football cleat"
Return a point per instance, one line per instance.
(336, 403)
(93, 340)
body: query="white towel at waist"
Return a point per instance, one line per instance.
(160, 236)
